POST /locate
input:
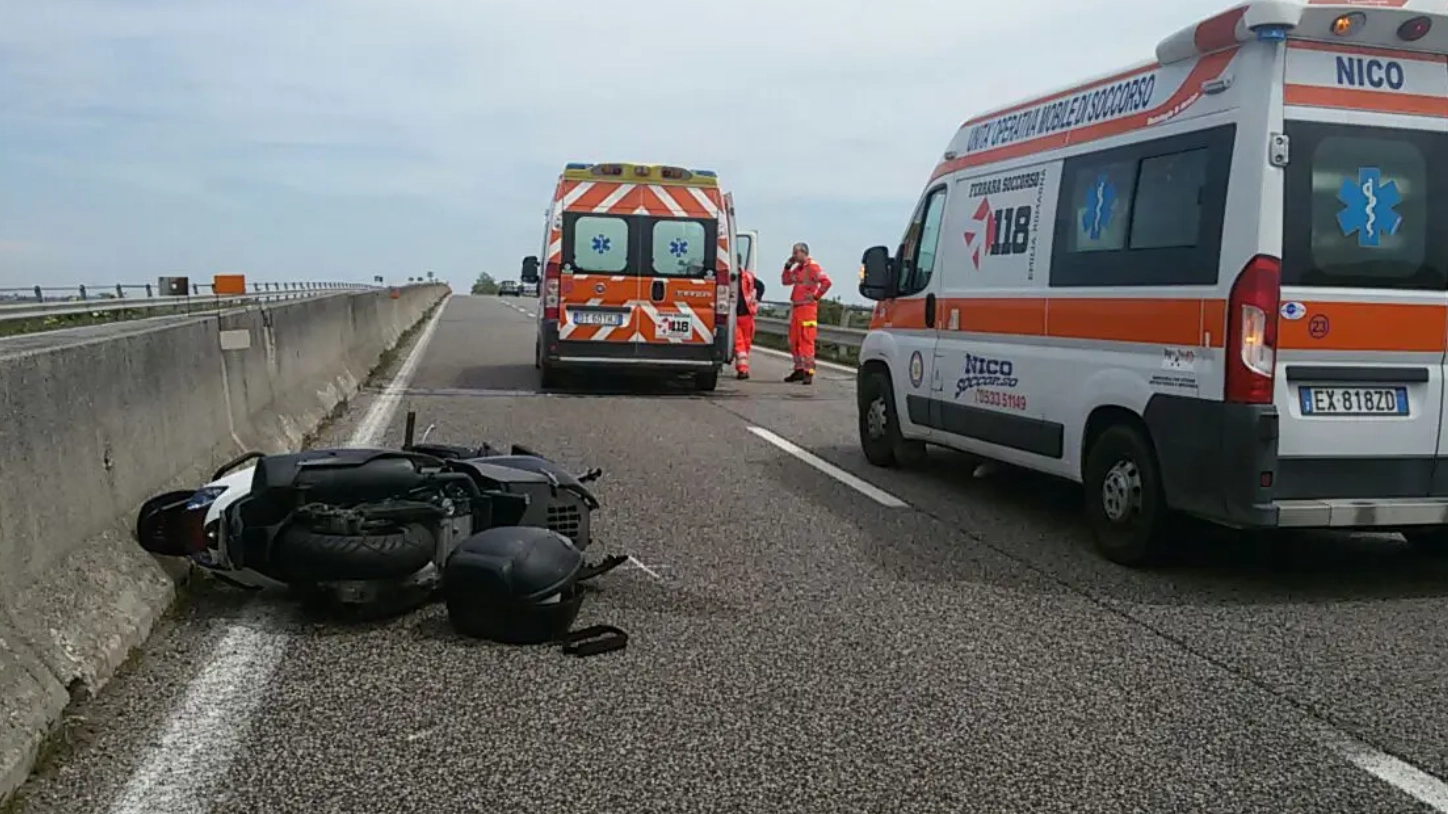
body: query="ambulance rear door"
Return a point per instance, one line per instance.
(678, 255)
(600, 286)
(1363, 332)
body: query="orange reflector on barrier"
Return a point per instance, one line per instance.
(228, 285)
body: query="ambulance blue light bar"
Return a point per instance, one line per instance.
(1272, 33)
(705, 173)
(575, 165)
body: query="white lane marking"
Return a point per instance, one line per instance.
(206, 731)
(644, 568)
(868, 490)
(1409, 779)
(818, 362)
(380, 414)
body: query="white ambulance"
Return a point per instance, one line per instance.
(1204, 284)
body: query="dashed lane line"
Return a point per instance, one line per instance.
(868, 490)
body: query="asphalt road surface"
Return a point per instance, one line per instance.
(798, 645)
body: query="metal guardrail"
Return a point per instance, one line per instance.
(840, 342)
(43, 293)
(18, 310)
(773, 318)
(190, 305)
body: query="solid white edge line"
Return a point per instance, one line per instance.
(202, 737)
(381, 412)
(868, 490)
(818, 363)
(1401, 775)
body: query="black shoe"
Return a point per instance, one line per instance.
(795, 376)
(742, 375)
(808, 379)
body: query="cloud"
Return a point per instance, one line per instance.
(346, 138)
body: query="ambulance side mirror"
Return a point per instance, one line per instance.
(877, 274)
(530, 269)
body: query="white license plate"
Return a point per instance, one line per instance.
(1353, 400)
(676, 327)
(610, 318)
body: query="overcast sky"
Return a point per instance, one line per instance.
(338, 139)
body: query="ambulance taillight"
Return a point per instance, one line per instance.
(551, 277)
(721, 290)
(1251, 348)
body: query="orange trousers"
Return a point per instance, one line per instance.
(743, 341)
(804, 321)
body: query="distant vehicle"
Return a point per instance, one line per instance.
(639, 272)
(509, 288)
(1210, 283)
(530, 289)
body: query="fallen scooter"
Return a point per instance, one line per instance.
(363, 525)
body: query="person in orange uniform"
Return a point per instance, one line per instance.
(807, 284)
(751, 291)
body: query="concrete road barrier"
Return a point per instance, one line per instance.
(93, 422)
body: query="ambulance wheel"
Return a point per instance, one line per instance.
(1125, 506)
(1431, 541)
(706, 382)
(880, 435)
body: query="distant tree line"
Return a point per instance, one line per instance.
(485, 284)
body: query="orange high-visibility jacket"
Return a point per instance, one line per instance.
(808, 283)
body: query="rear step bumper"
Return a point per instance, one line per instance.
(603, 362)
(1381, 514)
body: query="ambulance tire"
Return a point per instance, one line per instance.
(706, 382)
(1125, 503)
(1431, 541)
(890, 449)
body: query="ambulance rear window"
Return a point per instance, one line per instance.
(600, 244)
(1362, 207)
(679, 248)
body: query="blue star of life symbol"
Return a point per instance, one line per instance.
(1368, 207)
(678, 247)
(1099, 200)
(601, 244)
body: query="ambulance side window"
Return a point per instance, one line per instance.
(1144, 214)
(922, 242)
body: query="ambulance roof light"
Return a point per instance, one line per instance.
(705, 173)
(577, 165)
(1414, 29)
(1272, 33)
(676, 173)
(607, 169)
(1346, 25)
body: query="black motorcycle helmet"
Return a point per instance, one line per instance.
(514, 585)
